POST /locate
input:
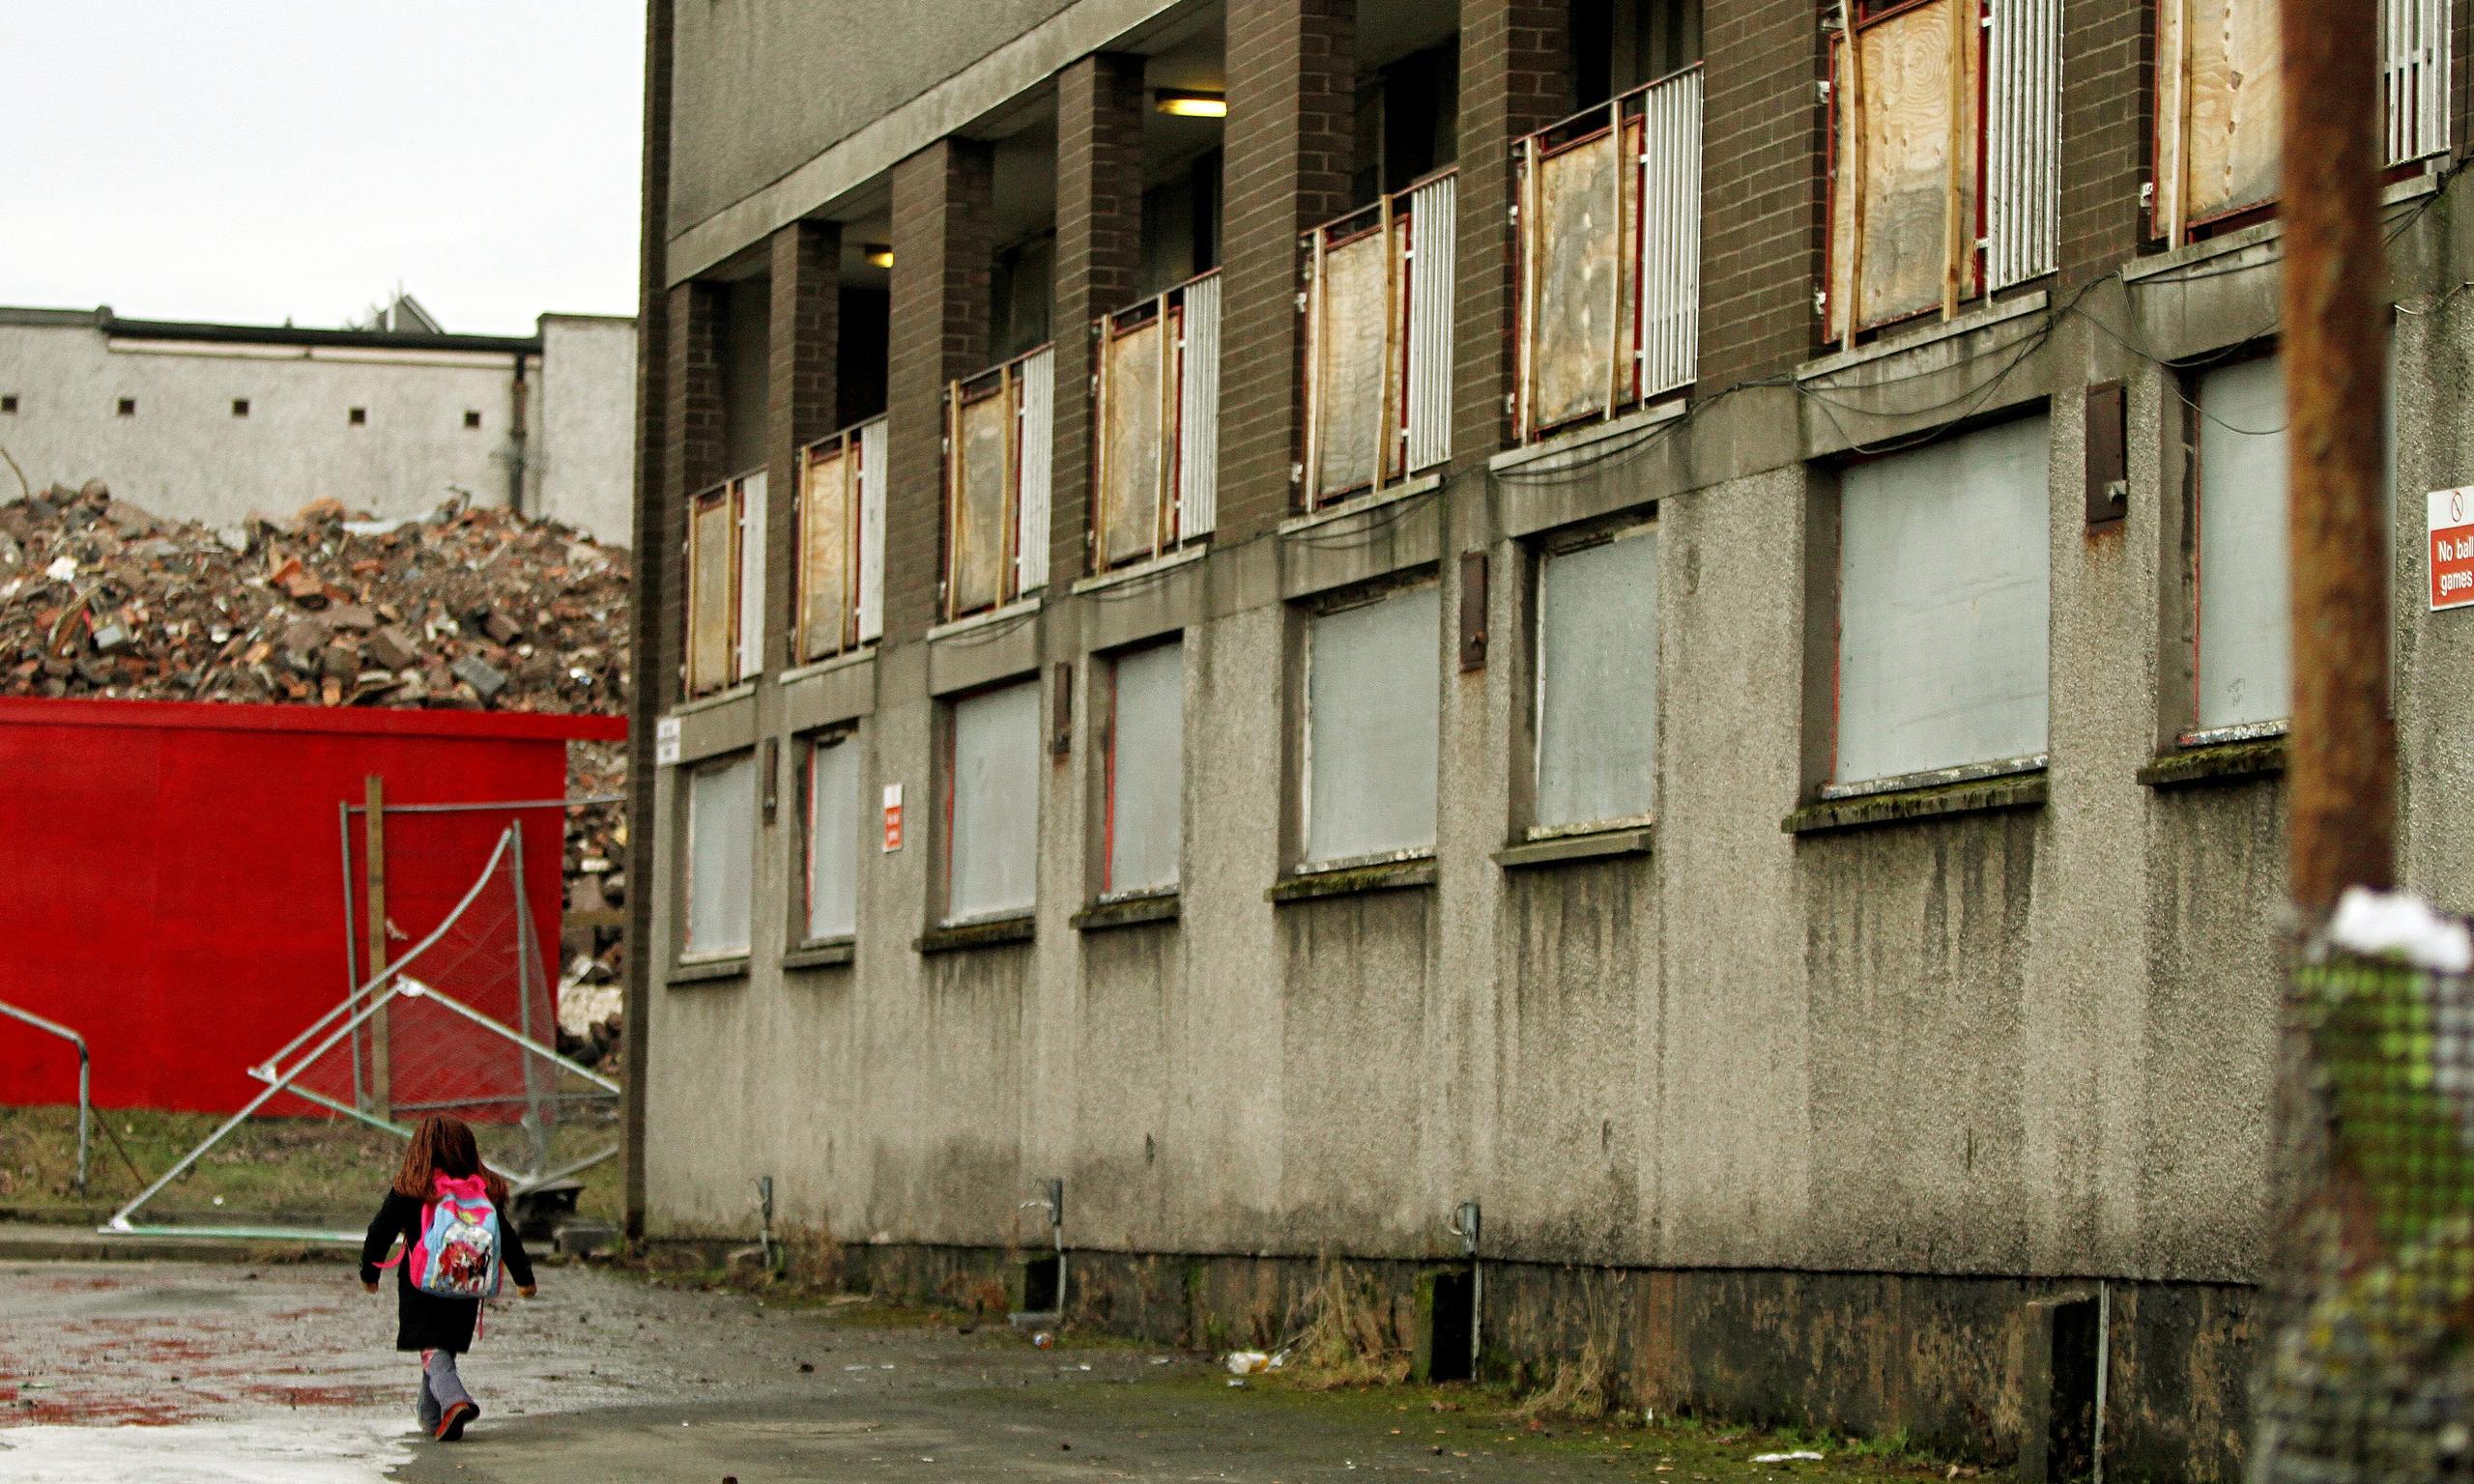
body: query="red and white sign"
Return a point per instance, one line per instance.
(2451, 549)
(893, 817)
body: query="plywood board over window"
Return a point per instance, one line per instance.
(1908, 166)
(1580, 315)
(827, 543)
(982, 458)
(1348, 369)
(1135, 379)
(712, 595)
(2219, 92)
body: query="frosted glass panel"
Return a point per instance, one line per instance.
(1374, 683)
(1598, 681)
(833, 839)
(1146, 761)
(721, 856)
(993, 852)
(2246, 624)
(1943, 594)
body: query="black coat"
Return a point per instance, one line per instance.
(426, 1321)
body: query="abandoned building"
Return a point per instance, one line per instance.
(395, 416)
(1618, 662)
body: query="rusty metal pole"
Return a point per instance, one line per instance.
(2341, 773)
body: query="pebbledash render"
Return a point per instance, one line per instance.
(1618, 664)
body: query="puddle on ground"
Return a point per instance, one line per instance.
(308, 1449)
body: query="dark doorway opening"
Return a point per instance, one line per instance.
(1453, 1331)
(1043, 1279)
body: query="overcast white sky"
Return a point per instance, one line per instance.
(260, 159)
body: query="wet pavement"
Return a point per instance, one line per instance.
(203, 1373)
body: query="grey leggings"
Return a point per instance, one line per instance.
(441, 1388)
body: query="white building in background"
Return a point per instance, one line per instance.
(212, 422)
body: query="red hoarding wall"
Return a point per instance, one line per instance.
(171, 875)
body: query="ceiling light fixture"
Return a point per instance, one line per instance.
(878, 254)
(1193, 105)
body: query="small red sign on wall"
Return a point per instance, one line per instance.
(2451, 549)
(893, 817)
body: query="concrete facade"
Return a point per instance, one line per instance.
(210, 424)
(1808, 1108)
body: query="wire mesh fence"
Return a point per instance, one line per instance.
(2368, 1374)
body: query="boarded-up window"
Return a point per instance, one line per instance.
(993, 802)
(1145, 770)
(1943, 599)
(720, 857)
(833, 839)
(2245, 659)
(1904, 155)
(1154, 474)
(1374, 683)
(713, 591)
(998, 426)
(2219, 71)
(841, 540)
(1598, 681)
(1609, 238)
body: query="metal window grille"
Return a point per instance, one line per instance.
(2414, 74)
(752, 528)
(1608, 257)
(998, 428)
(2023, 110)
(1155, 414)
(1378, 306)
(841, 542)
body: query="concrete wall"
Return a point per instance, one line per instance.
(183, 452)
(583, 423)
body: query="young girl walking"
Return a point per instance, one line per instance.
(444, 1164)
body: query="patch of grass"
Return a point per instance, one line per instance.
(1345, 1339)
(325, 1171)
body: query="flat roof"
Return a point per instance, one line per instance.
(349, 721)
(195, 331)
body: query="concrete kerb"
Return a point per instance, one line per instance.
(30, 1241)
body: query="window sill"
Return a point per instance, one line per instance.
(1194, 551)
(2226, 762)
(858, 654)
(961, 937)
(1128, 912)
(716, 699)
(1358, 505)
(1596, 846)
(707, 971)
(1349, 880)
(824, 954)
(1018, 609)
(1565, 442)
(1976, 796)
(1896, 339)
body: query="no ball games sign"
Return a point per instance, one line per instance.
(2451, 549)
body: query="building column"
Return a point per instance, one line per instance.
(1290, 145)
(1514, 79)
(802, 391)
(694, 443)
(941, 257)
(1099, 260)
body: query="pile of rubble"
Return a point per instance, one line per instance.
(463, 607)
(476, 608)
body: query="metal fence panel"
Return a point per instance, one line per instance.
(873, 450)
(2023, 101)
(1670, 268)
(2415, 74)
(1199, 413)
(1434, 256)
(1035, 452)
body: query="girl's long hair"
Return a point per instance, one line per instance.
(445, 1146)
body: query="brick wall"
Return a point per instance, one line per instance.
(1099, 256)
(2108, 51)
(1515, 78)
(694, 446)
(1761, 188)
(655, 620)
(1290, 144)
(941, 254)
(801, 394)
